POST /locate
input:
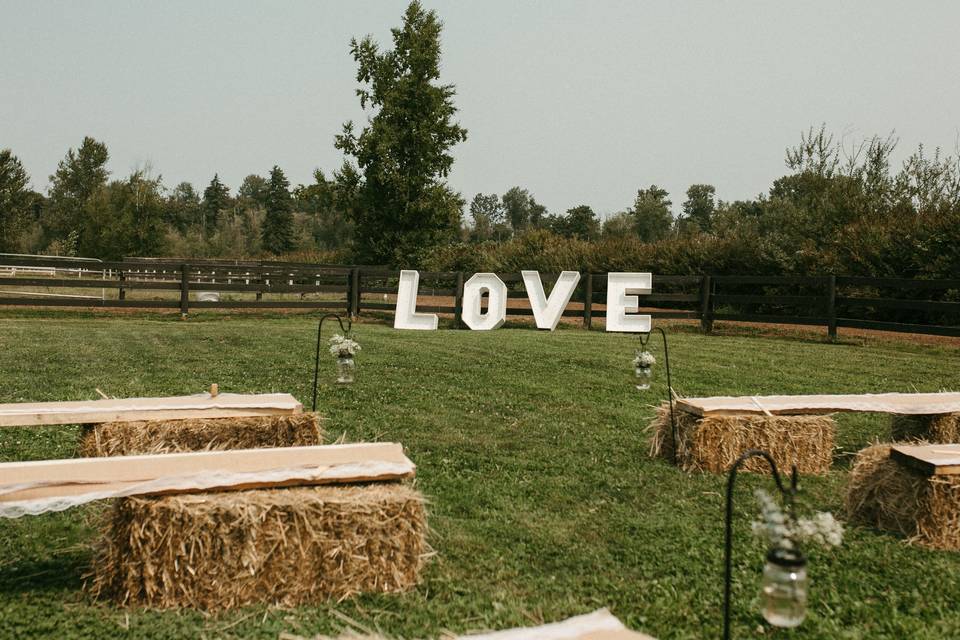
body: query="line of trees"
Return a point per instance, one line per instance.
(838, 209)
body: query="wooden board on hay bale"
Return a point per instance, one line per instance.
(892, 495)
(200, 434)
(203, 405)
(713, 443)
(275, 546)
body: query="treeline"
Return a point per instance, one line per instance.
(839, 210)
(86, 213)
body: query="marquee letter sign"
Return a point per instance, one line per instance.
(623, 302)
(496, 313)
(547, 311)
(622, 292)
(406, 316)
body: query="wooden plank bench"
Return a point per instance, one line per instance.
(712, 432)
(204, 405)
(34, 487)
(893, 403)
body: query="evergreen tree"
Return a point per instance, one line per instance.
(277, 231)
(216, 198)
(15, 199)
(77, 178)
(400, 201)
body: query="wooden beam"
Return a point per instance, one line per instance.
(202, 471)
(896, 403)
(224, 405)
(931, 459)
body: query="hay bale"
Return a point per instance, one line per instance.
(885, 494)
(942, 428)
(199, 434)
(714, 443)
(277, 546)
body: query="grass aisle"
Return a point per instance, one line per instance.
(531, 447)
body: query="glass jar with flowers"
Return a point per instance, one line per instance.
(783, 592)
(643, 368)
(344, 349)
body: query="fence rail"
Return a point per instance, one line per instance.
(834, 302)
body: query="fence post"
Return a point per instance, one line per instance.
(588, 302)
(706, 305)
(122, 294)
(184, 290)
(355, 291)
(259, 274)
(832, 307)
(458, 302)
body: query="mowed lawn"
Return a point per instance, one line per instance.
(532, 449)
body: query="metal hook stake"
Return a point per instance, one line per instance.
(644, 339)
(316, 364)
(788, 495)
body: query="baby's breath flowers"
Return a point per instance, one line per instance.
(342, 347)
(784, 532)
(644, 360)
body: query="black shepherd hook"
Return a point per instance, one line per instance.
(316, 364)
(788, 495)
(644, 339)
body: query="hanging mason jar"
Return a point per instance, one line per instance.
(784, 590)
(345, 369)
(343, 349)
(643, 369)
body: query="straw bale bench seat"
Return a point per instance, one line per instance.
(795, 429)
(221, 529)
(911, 490)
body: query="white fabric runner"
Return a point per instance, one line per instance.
(203, 481)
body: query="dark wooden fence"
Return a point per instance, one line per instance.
(889, 304)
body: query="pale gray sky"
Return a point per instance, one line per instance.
(580, 102)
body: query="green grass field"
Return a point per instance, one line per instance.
(532, 449)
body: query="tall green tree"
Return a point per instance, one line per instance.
(700, 205)
(78, 176)
(15, 199)
(124, 218)
(580, 222)
(253, 191)
(400, 201)
(522, 210)
(651, 212)
(216, 198)
(277, 230)
(487, 213)
(183, 207)
(329, 224)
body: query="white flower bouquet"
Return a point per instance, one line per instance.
(783, 531)
(644, 360)
(343, 347)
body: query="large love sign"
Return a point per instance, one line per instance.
(623, 302)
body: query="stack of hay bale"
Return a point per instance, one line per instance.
(714, 442)
(283, 546)
(885, 493)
